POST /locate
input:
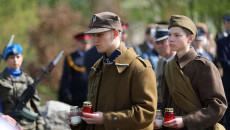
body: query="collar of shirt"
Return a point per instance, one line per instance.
(189, 56)
(167, 60)
(149, 45)
(14, 73)
(112, 57)
(200, 50)
(81, 53)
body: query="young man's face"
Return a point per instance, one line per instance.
(163, 48)
(178, 41)
(14, 61)
(104, 41)
(83, 45)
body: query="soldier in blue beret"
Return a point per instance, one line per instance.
(74, 82)
(13, 82)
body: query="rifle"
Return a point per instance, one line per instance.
(10, 42)
(30, 91)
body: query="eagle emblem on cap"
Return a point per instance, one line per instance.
(15, 50)
(92, 21)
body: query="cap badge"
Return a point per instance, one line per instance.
(15, 50)
(92, 21)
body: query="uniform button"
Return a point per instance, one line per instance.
(114, 118)
(94, 85)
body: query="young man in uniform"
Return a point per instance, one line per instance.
(74, 82)
(192, 85)
(13, 82)
(122, 86)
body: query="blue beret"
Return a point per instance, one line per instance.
(12, 49)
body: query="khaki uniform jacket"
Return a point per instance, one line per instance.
(207, 84)
(125, 91)
(10, 91)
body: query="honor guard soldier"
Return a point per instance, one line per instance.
(74, 82)
(13, 82)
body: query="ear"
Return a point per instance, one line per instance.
(116, 33)
(191, 38)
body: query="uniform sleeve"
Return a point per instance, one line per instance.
(212, 96)
(144, 104)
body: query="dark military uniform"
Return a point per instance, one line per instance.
(223, 53)
(11, 90)
(74, 82)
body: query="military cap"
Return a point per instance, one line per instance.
(125, 26)
(161, 33)
(227, 18)
(183, 21)
(82, 37)
(104, 21)
(201, 34)
(12, 49)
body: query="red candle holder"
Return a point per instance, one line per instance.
(169, 115)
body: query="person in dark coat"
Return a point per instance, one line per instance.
(74, 81)
(223, 53)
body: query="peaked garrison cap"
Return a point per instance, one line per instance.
(183, 21)
(104, 21)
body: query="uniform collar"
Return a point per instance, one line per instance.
(121, 62)
(112, 57)
(189, 56)
(14, 73)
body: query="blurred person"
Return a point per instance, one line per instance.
(74, 83)
(198, 45)
(151, 54)
(166, 54)
(192, 84)
(13, 82)
(161, 40)
(149, 40)
(122, 86)
(226, 31)
(124, 34)
(223, 53)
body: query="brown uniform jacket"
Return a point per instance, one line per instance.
(125, 91)
(207, 84)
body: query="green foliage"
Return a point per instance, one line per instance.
(46, 93)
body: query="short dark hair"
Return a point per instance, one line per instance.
(187, 32)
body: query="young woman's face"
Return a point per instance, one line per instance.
(14, 61)
(178, 41)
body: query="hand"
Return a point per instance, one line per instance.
(68, 116)
(175, 123)
(155, 126)
(9, 119)
(94, 118)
